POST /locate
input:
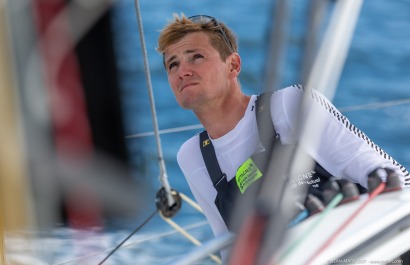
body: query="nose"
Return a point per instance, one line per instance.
(184, 70)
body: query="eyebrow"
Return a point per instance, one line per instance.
(174, 56)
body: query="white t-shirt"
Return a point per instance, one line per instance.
(343, 150)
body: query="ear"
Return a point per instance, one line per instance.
(235, 64)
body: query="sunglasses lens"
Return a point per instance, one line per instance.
(201, 19)
(204, 19)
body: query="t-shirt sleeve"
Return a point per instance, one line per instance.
(329, 137)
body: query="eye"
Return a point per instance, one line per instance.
(197, 56)
(172, 65)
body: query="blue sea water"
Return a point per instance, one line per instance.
(377, 70)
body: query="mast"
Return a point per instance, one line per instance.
(278, 36)
(14, 194)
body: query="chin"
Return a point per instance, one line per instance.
(186, 103)
(187, 106)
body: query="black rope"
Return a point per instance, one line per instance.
(135, 231)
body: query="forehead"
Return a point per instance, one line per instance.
(191, 41)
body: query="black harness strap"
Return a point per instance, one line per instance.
(267, 132)
(209, 156)
(226, 191)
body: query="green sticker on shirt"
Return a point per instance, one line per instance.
(247, 174)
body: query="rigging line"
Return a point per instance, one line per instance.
(165, 131)
(191, 202)
(163, 174)
(332, 205)
(391, 103)
(342, 227)
(378, 105)
(199, 253)
(189, 237)
(129, 236)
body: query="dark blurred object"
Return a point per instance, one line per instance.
(387, 175)
(70, 100)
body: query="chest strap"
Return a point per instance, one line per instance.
(266, 130)
(209, 156)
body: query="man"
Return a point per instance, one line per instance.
(202, 62)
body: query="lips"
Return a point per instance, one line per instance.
(185, 85)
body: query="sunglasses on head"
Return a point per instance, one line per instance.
(204, 19)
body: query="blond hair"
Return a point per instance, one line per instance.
(181, 26)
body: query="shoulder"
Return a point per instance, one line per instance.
(189, 155)
(189, 146)
(297, 91)
(286, 100)
(294, 92)
(287, 96)
(290, 98)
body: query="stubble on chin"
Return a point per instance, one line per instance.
(193, 102)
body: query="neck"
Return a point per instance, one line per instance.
(222, 117)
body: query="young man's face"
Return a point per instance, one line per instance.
(196, 72)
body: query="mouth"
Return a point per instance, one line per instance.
(183, 86)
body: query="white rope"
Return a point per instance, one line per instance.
(210, 246)
(163, 177)
(189, 237)
(191, 202)
(165, 131)
(378, 105)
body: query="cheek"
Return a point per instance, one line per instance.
(172, 82)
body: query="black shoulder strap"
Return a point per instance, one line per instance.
(267, 132)
(209, 156)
